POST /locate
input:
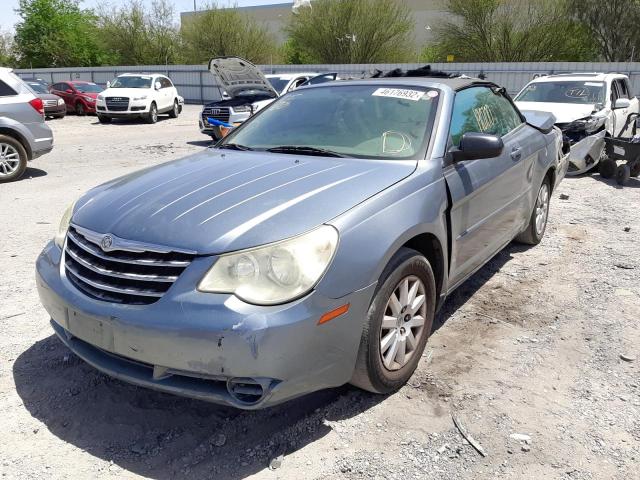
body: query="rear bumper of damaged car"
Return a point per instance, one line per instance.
(211, 347)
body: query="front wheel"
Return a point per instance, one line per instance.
(103, 119)
(538, 220)
(79, 109)
(607, 167)
(175, 111)
(152, 116)
(623, 173)
(398, 324)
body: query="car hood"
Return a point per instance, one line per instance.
(48, 96)
(125, 92)
(90, 94)
(564, 112)
(237, 75)
(221, 200)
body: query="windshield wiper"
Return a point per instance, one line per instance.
(235, 146)
(304, 151)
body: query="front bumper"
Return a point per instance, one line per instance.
(57, 110)
(134, 110)
(208, 346)
(585, 154)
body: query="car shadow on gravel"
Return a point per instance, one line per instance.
(633, 182)
(163, 436)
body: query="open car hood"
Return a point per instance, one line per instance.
(564, 112)
(239, 75)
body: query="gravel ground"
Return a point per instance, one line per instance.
(536, 355)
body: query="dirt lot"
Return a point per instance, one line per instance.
(531, 345)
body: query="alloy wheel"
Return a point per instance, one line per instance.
(403, 323)
(154, 113)
(9, 159)
(542, 209)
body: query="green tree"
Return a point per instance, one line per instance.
(613, 24)
(353, 31)
(511, 31)
(56, 33)
(7, 54)
(217, 31)
(135, 35)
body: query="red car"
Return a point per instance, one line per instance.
(79, 96)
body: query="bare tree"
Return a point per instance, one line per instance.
(353, 31)
(614, 24)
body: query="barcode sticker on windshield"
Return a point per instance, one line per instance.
(413, 95)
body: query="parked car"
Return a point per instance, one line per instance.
(587, 106)
(133, 95)
(245, 92)
(322, 78)
(79, 96)
(23, 134)
(312, 247)
(53, 105)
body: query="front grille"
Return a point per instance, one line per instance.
(51, 103)
(117, 104)
(219, 113)
(120, 276)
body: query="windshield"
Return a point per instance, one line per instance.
(88, 87)
(131, 82)
(364, 121)
(278, 83)
(563, 92)
(38, 87)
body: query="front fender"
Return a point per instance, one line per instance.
(373, 231)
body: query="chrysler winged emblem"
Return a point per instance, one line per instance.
(106, 242)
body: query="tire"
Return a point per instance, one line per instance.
(79, 109)
(103, 119)
(623, 173)
(607, 167)
(534, 232)
(175, 111)
(373, 371)
(13, 159)
(635, 169)
(152, 116)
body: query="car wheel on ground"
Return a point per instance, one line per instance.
(607, 167)
(398, 324)
(623, 173)
(152, 116)
(635, 169)
(103, 119)
(79, 109)
(13, 159)
(175, 111)
(538, 220)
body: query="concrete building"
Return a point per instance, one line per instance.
(427, 14)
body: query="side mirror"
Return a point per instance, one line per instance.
(474, 146)
(622, 103)
(68, 90)
(157, 85)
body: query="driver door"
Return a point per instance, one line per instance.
(488, 195)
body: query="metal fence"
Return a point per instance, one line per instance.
(197, 85)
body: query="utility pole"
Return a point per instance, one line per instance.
(194, 5)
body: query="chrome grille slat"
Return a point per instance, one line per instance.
(219, 113)
(138, 277)
(94, 250)
(125, 275)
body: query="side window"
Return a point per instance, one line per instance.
(6, 90)
(622, 88)
(479, 109)
(615, 94)
(165, 82)
(628, 87)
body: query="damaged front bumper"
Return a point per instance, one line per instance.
(586, 140)
(211, 347)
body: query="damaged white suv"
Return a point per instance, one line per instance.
(587, 107)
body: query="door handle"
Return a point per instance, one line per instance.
(516, 153)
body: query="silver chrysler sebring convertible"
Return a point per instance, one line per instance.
(310, 248)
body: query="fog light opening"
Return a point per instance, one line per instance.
(247, 390)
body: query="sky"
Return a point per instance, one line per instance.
(8, 18)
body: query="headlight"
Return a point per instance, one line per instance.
(100, 97)
(275, 273)
(242, 108)
(144, 97)
(90, 99)
(60, 101)
(64, 225)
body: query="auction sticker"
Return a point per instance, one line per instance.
(404, 93)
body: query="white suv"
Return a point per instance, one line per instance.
(138, 95)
